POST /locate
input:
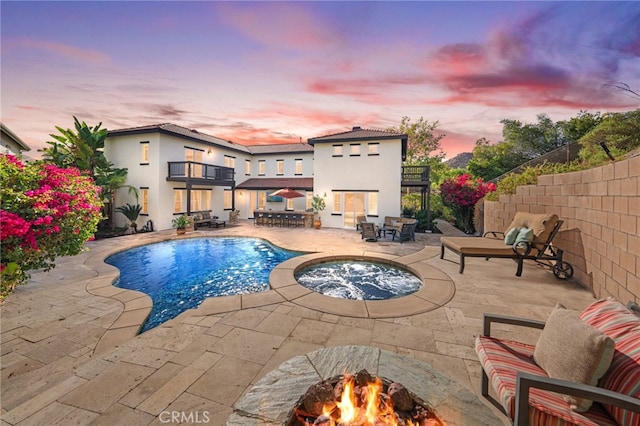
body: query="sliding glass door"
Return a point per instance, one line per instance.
(353, 207)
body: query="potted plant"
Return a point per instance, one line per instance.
(317, 204)
(131, 212)
(181, 223)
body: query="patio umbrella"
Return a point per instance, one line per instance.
(286, 193)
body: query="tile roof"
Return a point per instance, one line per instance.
(23, 146)
(280, 148)
(358, 133)
(173, 129)
(302, 183)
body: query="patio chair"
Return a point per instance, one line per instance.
(369, 231)
(528, 237)
(584, 369)
(359, 221)
(407, 232)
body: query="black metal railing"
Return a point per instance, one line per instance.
(191, 170)
(418, 174)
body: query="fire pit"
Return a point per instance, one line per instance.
(271, 400)
(361, 399)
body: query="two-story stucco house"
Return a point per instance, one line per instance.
(182, 171)
(360, 171)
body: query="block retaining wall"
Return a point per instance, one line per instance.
(601, 212)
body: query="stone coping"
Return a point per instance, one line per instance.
(270, 400)
(437, 289)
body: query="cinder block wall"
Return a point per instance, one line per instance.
(600, 235)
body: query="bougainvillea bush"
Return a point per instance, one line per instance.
(461, 194)
(45, 212)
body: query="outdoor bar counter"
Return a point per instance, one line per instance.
(286, 218)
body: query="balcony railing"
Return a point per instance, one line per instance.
(415, 175)
(201, 173)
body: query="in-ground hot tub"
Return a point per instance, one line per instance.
(435, 290)
(359, 279)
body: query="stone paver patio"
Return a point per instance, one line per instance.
(70, 354)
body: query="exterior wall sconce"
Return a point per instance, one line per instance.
(209, 151)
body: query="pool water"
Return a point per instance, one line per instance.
(179, 274)
(358, 280)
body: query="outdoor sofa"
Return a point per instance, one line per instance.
(579, 357)
(205, 218)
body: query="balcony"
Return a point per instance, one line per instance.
(415, 176)
(200, 173)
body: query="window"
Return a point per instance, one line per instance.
(179, 196)
(200, 199)
(337, 202)
(262, 199)
(337, 150)
(309, 200)
(373, 149)
(289, 204)
(228, 195)
(247, 167)
(280, 167)
(229, 161)
(298, 166)
(144, 152)
(144, 200)
(372, 204)
(262, 167)
(195, 155)
(355, 150)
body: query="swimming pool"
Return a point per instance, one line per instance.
(179, 274)
(358, 280)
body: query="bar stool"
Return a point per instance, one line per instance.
(288, 219)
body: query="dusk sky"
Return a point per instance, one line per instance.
(278, 72)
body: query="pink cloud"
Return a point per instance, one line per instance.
(59, 49)
(512, 68)
(276, 24)
(381, 90)
(312, 117)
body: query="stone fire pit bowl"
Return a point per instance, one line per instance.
(270, 400)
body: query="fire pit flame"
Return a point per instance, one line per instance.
(362, 401)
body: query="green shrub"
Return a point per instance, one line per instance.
(529, 176)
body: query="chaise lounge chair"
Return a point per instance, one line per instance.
(528, 237)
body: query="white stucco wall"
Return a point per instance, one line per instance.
(365, 172)
(244, 197)
(125, 152)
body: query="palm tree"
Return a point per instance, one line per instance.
(131, 212)
(84, 149)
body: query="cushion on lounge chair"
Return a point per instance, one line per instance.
(477, 246)
(570, 349)
(511, 235)
(616, 321)
(542, 224)
(524, 235)
(502, 359)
